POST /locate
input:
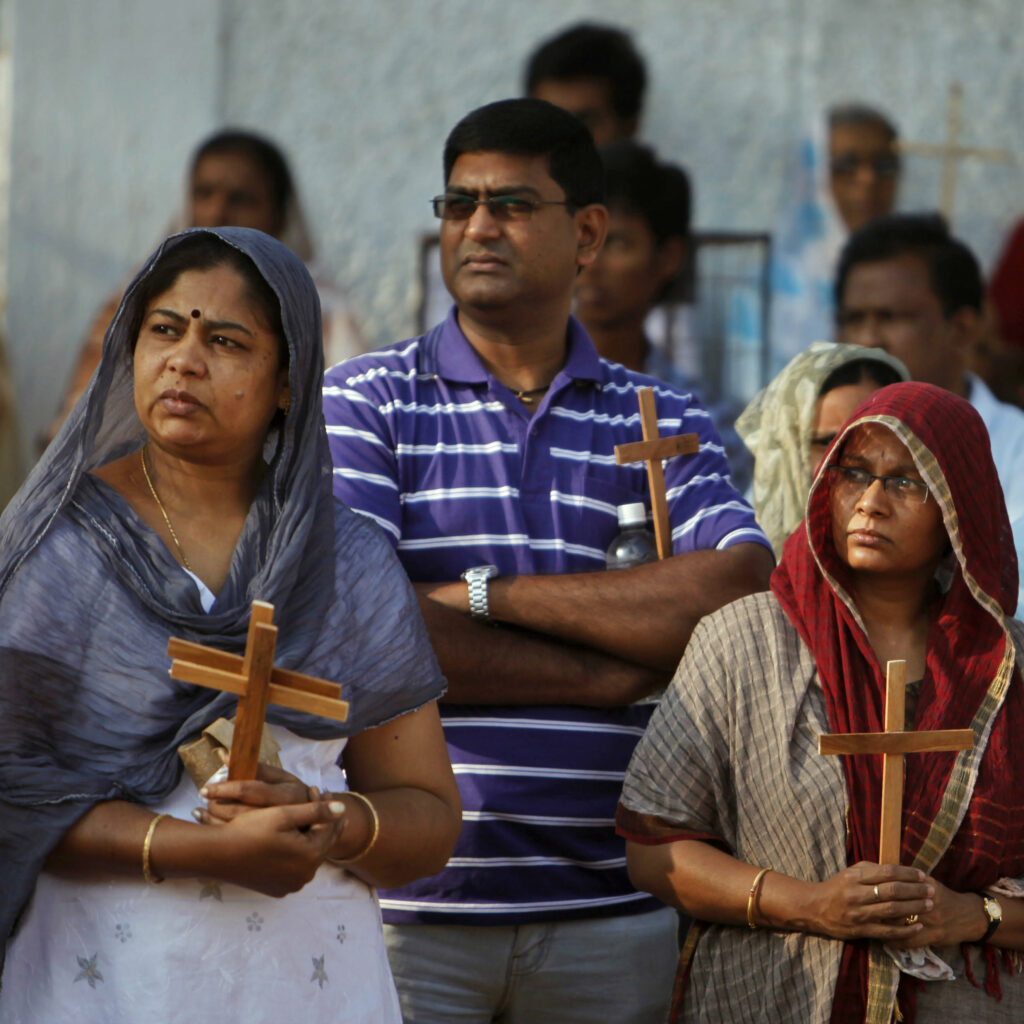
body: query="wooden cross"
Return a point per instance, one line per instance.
(257, 683)
(652, 449)
(950, 151)
(893, 744)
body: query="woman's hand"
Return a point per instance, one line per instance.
(955, 917)
(874, 901)
(275, 850)
(273, 787)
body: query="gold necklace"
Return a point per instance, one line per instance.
(163, 511)
(526, 397)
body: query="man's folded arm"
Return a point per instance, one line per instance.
(643, 616)
(486, 664)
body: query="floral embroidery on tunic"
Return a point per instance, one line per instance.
(123, 932)
(89, 972)
(254, 922)
(210, 890)
(319, 974)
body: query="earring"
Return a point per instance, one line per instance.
(286, 404)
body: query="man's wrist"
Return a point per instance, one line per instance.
(477, 579)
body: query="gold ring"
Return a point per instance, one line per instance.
(911, 920)
(878, 895)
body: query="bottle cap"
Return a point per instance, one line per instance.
(633, 514)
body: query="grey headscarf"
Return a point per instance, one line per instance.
(89, 596)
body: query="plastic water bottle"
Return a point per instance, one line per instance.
(635, 544)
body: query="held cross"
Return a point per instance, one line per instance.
(652, 449)
(257, 683)
(892, 745)
(951, 150)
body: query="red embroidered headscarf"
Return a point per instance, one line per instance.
(963, 814)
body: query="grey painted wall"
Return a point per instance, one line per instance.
(110, 96)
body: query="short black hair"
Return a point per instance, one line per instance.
(858, 371)
(638, 183)
(205, 251)
(528, 127)
(591, 50)
(860, 113)
(267, 156)
(953, 270)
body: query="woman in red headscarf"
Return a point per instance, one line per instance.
(731, 813)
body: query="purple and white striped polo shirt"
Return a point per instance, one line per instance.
(459, 473)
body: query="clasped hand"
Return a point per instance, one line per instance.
(878, 901)
(277, 829)
(900, 906)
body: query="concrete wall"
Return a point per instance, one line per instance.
(110, 95)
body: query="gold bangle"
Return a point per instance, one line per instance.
(754, 897)
(147, 871)
(374, 831)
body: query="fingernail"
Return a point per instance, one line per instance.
(336, 807)
(928, 904)
(204, 791)
(198, 815)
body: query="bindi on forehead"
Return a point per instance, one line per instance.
(196, 314)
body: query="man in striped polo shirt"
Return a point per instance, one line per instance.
(485, 451)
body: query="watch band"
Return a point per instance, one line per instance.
(994, 913)
(476, 580)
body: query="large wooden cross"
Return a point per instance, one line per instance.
(257, 683)
(893, 744)
(951, 150)
(652, 449)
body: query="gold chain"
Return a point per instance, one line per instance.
(163, 511)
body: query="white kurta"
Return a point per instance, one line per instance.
(194, 950)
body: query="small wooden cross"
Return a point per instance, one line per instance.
(893, 744)
(950, 151)
(257, 683)
(652, 449)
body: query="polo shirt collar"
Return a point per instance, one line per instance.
(450, 355)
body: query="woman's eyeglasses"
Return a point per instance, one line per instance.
(852, 482)
(456, 207)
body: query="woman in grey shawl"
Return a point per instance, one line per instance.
(192, 478)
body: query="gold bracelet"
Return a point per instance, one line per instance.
(147, 871)
(374, 834)
(754, 898)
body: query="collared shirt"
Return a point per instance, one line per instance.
(459, 473)
(1005, 425)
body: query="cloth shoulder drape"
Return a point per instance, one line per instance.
(89, 596)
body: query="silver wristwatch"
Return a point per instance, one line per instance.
(476, 579)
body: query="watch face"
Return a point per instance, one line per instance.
(993, 909)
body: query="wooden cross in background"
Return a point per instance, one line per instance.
(893, 744)
(652, 449)
(950, 151)
(257, 684)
